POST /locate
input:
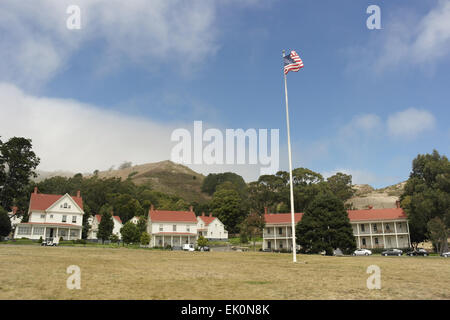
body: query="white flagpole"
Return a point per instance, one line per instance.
(294, 246)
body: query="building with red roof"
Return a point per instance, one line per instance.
(52, 216)
(211, 227)
(94, 222)
(372, 228)
(173, 228)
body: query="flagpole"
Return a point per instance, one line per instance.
(294, 247)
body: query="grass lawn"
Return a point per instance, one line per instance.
(34, 272)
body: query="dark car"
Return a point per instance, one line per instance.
(392, 252)
(418, 252)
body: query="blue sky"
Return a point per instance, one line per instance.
(366, 102)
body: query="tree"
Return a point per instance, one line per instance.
(17, 164)
(341, 185)
(142, 224)
(106, 226)
(253, 226)
(439, 233)
(130, 233)
(325, 226)
(5, 224)
(213, 180)
(145, 238)
(114, 238)
(427, 194)
(202, 241)
(227, 205)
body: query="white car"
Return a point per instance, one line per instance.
(362, 252)
(445, 254)
(188, 247)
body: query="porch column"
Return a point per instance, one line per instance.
(189, 240)
(275, 235)
(181, 241)
(68, 234)
(163, 244)
(359, 238)
(384, 238)
(370, 234)
(57, 233)
(395, 229)
(45, 233)
(171, 241)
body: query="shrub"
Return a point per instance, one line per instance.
(145, 238)
(40, 240)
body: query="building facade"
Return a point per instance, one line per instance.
(52, 216)
(211, 227)
(94, 222)
(173, 228)
(372, 228)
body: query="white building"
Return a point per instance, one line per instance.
(52, 216)
(211, 228)
(94, 222)
(372, 228)
(173, 228)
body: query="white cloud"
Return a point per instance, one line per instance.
(72, 136)
(416, 41)
(410, 123)
(36, 43)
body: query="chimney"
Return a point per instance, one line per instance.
(210, 214)
(203, 214)
(191, 209)
(35, 190)
(397, 204)
(370, 207)
(78, 194)
(266, 210)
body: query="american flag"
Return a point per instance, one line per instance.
(292, 62)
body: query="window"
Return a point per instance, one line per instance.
(64, 218)
(42, 216)
(74, 233)
(39, 231)
(51, 216)
(376, 240)
(280, 230)
(268, 231)
(74, 219)
(65, 205)
(24, 231)
(387, 227)
(364, 241)
(174, 228)
(188, 228)
(62, 232)
(281, 246)
(161, 227)
(375, 228)
(399, 226)
(362, 228)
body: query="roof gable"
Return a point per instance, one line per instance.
(208, 219)
(42, 202)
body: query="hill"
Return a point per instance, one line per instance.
(165, 176)
(366, 196)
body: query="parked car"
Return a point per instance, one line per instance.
(266, 250)
(392, 252)
(52, 242)
(418, 252)
(188, 247)
(177, 248)
(362, 252)
(445, 254)
(204, 248)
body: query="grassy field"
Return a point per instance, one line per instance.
(34, 272)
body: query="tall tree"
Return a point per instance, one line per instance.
(439, 233)
(130, 233)
(427, 194)
(17, 164)
(227, 205)
(341, 185)
(325, 226)
(253, 226)
(5, 224)
(106, 226)
(213, 180)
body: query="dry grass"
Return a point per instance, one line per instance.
(32, 272)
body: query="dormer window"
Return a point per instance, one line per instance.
(65, 205)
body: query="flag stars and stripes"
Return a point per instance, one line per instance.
(292, 62)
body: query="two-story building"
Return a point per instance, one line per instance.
(94, 222)
(52, 216)
(211, 227)
(372, 228)
(173, 228)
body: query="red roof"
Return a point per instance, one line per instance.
(353, 215)
(99, 218)
(377, 214)
(172, 216)
(41, 201)
(273, 218)
(207, 219)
